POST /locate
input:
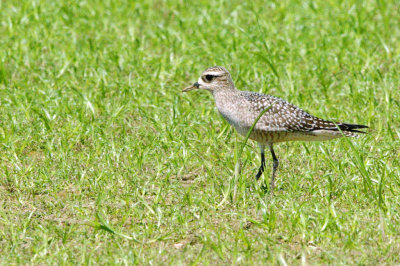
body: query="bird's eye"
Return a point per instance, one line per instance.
(208, 78)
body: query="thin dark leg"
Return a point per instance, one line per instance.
(275, 167)
(261, 170)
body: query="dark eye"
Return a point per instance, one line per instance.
(208, 78)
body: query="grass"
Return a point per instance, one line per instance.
(104, 160)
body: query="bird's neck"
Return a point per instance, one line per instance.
(225, 92)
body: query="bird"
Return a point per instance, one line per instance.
(282, 122)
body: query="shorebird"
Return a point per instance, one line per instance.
(282, 122)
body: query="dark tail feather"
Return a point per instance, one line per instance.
(351, 127)
(320, 124)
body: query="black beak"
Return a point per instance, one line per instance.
(196, 85)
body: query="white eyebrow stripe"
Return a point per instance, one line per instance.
(213, 73)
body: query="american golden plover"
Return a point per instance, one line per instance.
(282, 122)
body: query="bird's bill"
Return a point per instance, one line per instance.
(193, 87)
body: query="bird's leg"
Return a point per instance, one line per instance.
(275, 167)
(261, 170)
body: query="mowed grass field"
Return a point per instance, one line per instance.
(104, 160)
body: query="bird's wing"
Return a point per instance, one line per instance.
(284, 116)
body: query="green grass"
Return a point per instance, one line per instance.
(104, 160)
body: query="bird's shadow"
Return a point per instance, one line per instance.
(264, 189)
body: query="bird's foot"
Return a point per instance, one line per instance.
(258, 175)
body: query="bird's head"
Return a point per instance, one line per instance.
(213, 79)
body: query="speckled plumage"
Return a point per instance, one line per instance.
(282, 122)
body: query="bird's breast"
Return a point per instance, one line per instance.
(236, 111)
(235, 119)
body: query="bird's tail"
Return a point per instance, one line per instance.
(331, 129)
(350, 128)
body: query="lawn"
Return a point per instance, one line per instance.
(104, 160)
